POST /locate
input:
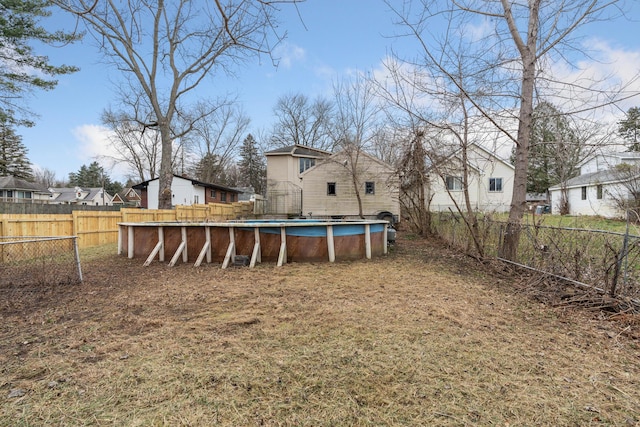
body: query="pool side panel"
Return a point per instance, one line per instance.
(304, 244)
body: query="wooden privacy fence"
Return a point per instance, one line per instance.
(95, 228)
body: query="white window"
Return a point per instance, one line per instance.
(495, 184)
(306, 163)
(454, 183)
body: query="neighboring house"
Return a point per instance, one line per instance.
(116, 200)
(304, 181)
(18, 190)
(284, 169)
(245, 194)
(597, 189)
(490, 182)
(94, 196)
(185, 191)
(128, 197)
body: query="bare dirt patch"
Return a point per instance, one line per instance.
(420, 337)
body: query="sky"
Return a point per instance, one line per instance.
(326, 40)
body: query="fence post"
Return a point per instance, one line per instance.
(621, 255)
(77, 255)
(74, 222)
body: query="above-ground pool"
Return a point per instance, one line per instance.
(255, 241)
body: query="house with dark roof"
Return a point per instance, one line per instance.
(18, 190)
(185, 191)
(599, 188)
(93, 196)
(128, 197)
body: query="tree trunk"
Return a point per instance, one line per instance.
(519, 195)
(166, 167)
(528, 53)
(357, 191)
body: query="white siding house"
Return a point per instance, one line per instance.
(186, 192)
(94, 196)
(329, 190)
(598, 188)
(490, 182)
(284, 170)
(304, 181)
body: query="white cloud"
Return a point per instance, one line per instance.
(288, 54)
(94, 145)
(475, 31)
(612, 71)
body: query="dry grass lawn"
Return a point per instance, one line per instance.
(420, 337)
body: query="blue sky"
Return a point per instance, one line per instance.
(340, 36)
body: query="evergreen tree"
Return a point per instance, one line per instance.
(94, 176)
(208, 169)
(21, 70)
(13, 153)
(555, 149)
(251, 166)
(629, 128)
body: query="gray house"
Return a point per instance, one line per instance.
(18, 190)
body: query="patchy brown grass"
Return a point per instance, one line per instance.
(421, 337)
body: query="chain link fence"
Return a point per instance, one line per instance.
(602, 261)
(35, 261)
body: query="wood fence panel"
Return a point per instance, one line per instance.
(37, 225)
(146, 215)
(192, 213)
(221, 211)
(95, 228)
(101, 227)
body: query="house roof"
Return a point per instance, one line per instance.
(298, 150)
(68, 194)
(601, 177)
(64, 194)
(12, 183)
(621, 155)
(628, 155)
(145, 184)
(117, 199)
(128, 193)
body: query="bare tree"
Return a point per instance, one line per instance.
(45, 177)
(355, 123)
(626, 193)
(134, 145)
(214, 142)
(435, 97)
(414, 184)
(168, 48)
(298, 120)
(508, 44)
